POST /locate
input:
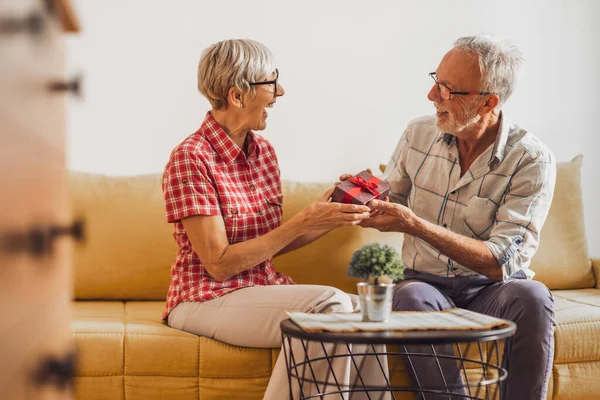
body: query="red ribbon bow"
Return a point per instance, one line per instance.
(367, 185)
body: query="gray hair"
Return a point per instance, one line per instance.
(499, 63)
(232, 64)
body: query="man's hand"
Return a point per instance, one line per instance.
(390, 217)
(345, 177)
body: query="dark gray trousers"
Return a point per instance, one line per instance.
(527, 303)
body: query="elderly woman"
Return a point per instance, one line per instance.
(223, 194)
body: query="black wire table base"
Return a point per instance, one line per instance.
(337, 367)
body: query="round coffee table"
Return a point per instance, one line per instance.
(484, 353)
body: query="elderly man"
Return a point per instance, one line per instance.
(471, 191)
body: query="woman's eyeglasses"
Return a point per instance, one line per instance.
(273, 82)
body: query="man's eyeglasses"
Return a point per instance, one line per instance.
(446, 93)
(273, 82)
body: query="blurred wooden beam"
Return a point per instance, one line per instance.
(67, 16)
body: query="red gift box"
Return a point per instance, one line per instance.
(360, 189)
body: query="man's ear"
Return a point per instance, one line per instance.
(235, 98)
(491, 103)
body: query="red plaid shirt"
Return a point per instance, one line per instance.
(208, 174)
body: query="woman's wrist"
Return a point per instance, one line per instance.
(298, 224)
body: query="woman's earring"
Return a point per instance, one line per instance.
(241, 105)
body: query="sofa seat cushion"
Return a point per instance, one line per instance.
(126, 350)
(578, 325)
(584, 296)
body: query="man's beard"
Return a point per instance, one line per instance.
(454, 124)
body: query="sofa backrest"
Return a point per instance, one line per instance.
(562, 260)
(129, 247)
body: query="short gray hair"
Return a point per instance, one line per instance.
(232, 63)
(499, 63)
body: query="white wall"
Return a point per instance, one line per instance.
(355, 73)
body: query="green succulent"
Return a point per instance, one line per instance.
(376, 260)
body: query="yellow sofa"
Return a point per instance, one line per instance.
(121, 276)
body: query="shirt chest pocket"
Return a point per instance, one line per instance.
(248, 220)
(273, 211)
(480, 216)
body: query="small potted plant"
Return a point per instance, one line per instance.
(374, 261)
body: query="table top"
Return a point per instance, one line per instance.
(289, 328)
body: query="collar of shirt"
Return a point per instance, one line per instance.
(225, 147)
(499, 145)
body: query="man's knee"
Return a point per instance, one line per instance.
(531, 299)
(418, 296)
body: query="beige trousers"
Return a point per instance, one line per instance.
(250, 317)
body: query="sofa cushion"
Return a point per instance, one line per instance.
(578, 325)
(128, 249)
(562, 260)
(126, 350)
(575, 381)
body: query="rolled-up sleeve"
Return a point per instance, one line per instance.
(515, 236)
(395, 172)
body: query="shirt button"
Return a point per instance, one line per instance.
(445, 225)
(252, 187)
(234, 211)
(260, 212)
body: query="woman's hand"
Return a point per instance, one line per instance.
(322, 214)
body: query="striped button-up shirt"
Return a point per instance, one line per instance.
(503, 199)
